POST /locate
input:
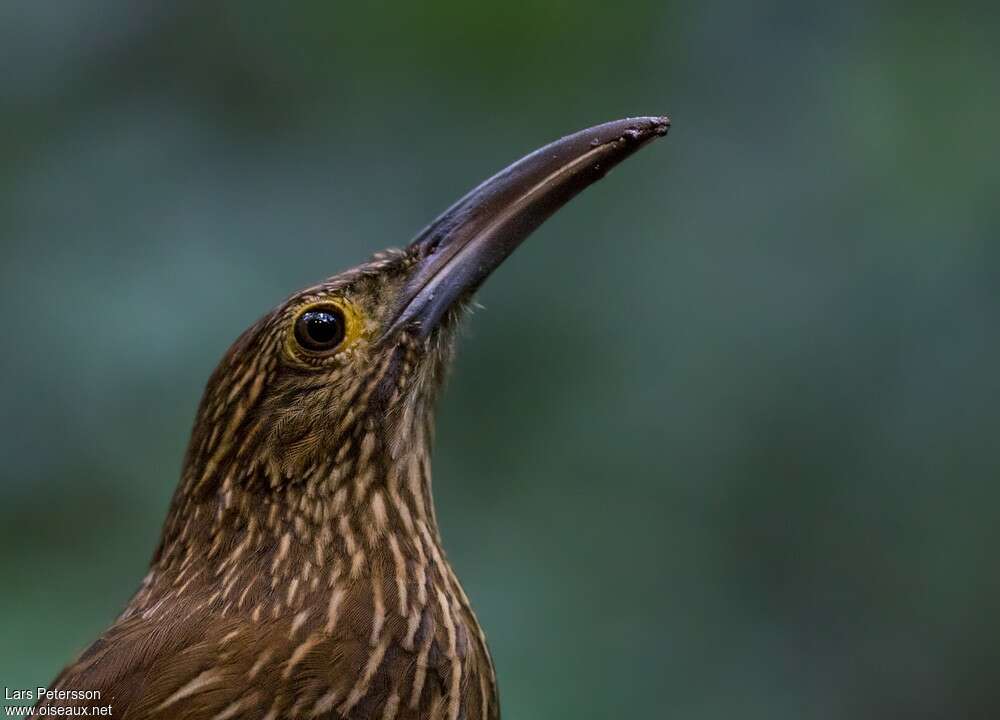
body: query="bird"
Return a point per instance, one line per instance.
(300, 572)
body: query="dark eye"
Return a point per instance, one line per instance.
(320, 328)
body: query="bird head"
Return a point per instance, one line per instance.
(340, 379)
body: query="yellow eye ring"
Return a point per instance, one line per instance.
(322, 329)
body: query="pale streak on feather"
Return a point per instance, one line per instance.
(420, 674)
(199, 682)
(439, 562)
(357, 563)
(379, 512)
(340, 500)
(299, 653)
(412, 623)
(260, 663)
(456, 666)
(283, 546)
(421, 567)
(332, 615)
(399, 562)
(324, 704)
(236, 706)
(297, 622)
(353, 548)
(378, 610)
(187, 582)
(361, 686)
(414, 485)
(363, 481)
(396, 497)
(350, 544)
(367, 448)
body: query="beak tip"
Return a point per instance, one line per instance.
(643, 128)
(632, 132)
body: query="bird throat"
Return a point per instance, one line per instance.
(256, 528)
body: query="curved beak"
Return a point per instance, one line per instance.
(457, 251)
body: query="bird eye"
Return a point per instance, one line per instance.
(320, 329)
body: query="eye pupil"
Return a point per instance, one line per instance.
(320, 328)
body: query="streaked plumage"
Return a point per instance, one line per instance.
(300, 572)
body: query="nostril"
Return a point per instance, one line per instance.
(432, 246)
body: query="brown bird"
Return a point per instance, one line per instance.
(300, 573)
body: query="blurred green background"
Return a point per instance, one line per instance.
(722, 444)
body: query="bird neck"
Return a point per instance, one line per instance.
(344, 555)
(228, 543)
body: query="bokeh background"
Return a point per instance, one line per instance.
(723, 442)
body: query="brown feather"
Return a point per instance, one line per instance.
(300, 572)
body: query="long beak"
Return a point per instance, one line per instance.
(456, 252)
